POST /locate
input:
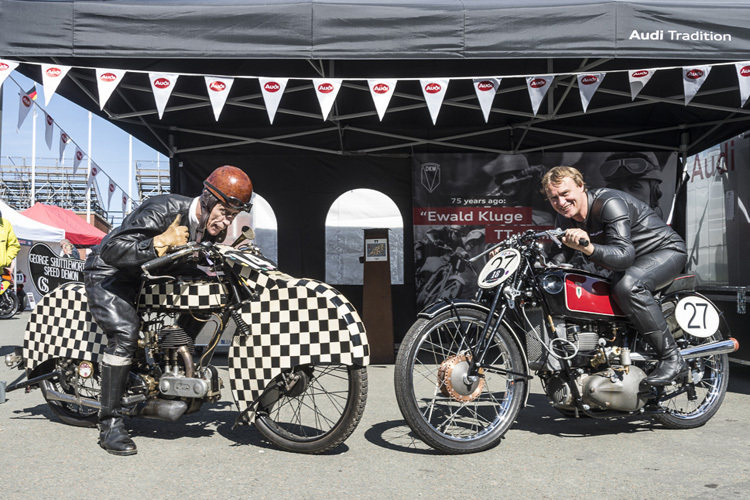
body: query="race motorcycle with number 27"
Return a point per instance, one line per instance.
(297, 362)
(463, 369)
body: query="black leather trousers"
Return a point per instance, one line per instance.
(633, 289)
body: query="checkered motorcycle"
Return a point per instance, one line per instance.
(296, 363)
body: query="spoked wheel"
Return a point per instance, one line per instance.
(447, 406)
(710, 377)
(313, 408)
(8, 304)
(79, 378)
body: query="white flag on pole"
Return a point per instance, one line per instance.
(381, 91)
(92, 175)
(52, 75)
(434, 93)
(272, 89)
(638, 79)
(24, 106)
(587, 85)
(486, 88)
(743, 75)
(218, 91)
(692, 79)
(49, 124)
(77, 159)
(124, 203)
(538, 87)
(110, 192)
(162, 85)
(326, 89)
(6, 68)
(64, 140)
(106, 83)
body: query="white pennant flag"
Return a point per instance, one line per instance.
(638, 79)
(77, 159)
(587, 85)
(6, 68)
(52, 75)
(48, 128)
(486, 88)
(326, 89)
(64, 140)
(434, 93)
(92, 175)
(106, 83)
(538, 87)
(124, 203)
(24, 106)
(381, 91)
(110, 191)
(692, 79)
(218, 91)
(743, 75)
(273, 89)
(162, 84)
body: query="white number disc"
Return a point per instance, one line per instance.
(499, 268)
(697, 316)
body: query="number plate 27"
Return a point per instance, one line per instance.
(499, 268)
(697, 316)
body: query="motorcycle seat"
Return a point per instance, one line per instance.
(683, 282)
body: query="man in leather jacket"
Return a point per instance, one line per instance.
(112, 277)
(623, 234)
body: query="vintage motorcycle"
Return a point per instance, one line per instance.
(463, 369)
(9, 303)
(296, 364)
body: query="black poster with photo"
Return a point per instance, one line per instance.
(464, 203)
(49, 270)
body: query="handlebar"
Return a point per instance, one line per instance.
(553, 234)
(169, 258)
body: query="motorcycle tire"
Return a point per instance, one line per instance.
(71, 384)
(316, 414)
(8, 304)
(431, 390)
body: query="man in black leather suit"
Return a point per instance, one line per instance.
(627, 237)
(112, 277)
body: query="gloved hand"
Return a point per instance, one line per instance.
(174, 236)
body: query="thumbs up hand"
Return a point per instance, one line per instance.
(175, 235)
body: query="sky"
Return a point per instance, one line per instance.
(109, 144)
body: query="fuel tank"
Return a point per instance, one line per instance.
(578, 294)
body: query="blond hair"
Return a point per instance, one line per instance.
(556, 175)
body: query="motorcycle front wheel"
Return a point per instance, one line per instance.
(8, 304)
(444, 405)
(313, 408)
(72, 384)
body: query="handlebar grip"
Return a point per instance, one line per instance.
(165, 259)
(583, 242)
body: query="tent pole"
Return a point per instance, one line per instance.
(33, 158)
(88, 191)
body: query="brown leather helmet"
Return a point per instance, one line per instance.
(231, 186)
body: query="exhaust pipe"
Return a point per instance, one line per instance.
(714, 348)
(157, 409)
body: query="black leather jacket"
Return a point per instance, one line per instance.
(622, 229)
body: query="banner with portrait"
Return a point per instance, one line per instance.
(465, 203)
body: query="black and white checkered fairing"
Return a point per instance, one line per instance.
(183, 295)
(61, 326)
(294, 322)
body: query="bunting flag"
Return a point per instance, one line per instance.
(218, 91)
(486, 88)
(743, 75)
(124, 202)
(64, 140)
(381, 91)
(24, 105)
(92, 175)
(272, 90)
(638, 79)
(326, 89)
(110, 192)
(52, 75)
(106, 83)
(434, 93)
(48, 128)
(587, 85)
(77, 159)
(538, 87)
(692, 79)
(162, 85)
(6, 68)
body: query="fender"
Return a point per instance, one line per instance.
(293, 322)
(442, 306)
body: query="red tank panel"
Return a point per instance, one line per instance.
(589, 295)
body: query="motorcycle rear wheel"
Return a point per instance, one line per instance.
(318, 413)
(72, 385)
(457, 419)
(8, 304)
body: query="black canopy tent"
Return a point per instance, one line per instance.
(301, 163)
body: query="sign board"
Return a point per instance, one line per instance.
(48, 270)
(376, 250)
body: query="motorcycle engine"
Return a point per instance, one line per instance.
(180, 377)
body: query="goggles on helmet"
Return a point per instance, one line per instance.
(230, 201)
(635, 166)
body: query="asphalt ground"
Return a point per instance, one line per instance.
(544, 456)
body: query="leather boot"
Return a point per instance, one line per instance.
(671, 364)
(113, 436)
